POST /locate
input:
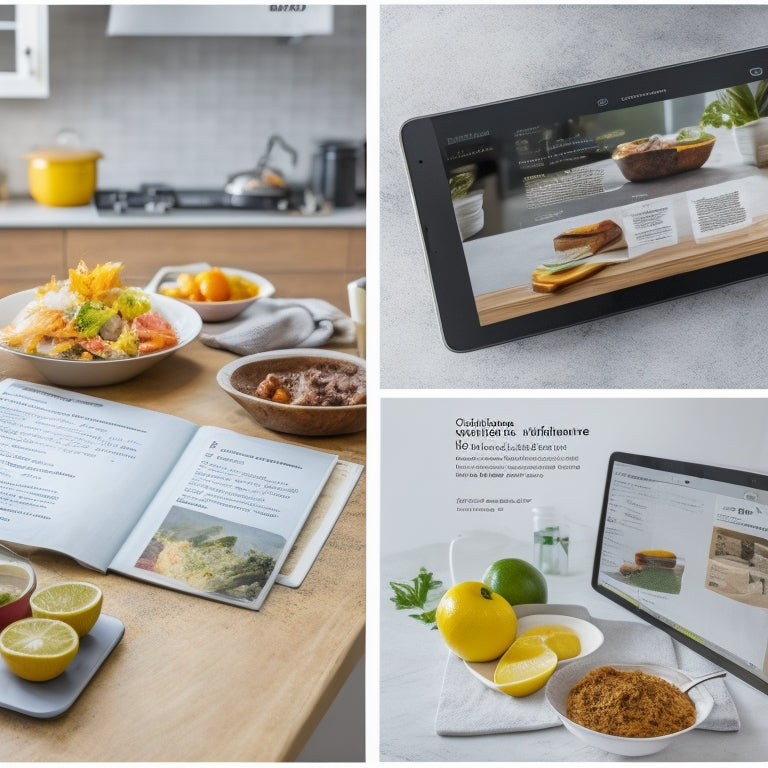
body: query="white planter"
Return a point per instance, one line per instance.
(469, 213)
(752, 142)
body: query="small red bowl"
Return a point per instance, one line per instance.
(19, 579)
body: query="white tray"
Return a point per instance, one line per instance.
(53, 697)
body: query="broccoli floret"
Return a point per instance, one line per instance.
(91, 316)
(132, 302)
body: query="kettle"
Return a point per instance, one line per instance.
(335, 172)
(264, 186)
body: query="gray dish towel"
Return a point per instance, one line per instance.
(281, 324)
(467, 707)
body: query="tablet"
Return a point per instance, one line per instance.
(560, 207)
(685, 547)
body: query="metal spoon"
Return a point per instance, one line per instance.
(687, 686)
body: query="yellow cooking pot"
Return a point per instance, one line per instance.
(62, 176)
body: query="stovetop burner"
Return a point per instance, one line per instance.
(164, 199)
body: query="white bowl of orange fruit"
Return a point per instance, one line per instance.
(216, 293)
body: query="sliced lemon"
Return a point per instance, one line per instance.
(525, 667)
(77, 603)
(38, 649)
(562, 640)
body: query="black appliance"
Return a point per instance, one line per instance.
(336, 172)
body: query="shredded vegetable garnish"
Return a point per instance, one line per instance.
(90, 316)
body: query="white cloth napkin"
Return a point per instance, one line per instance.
(467, 707)
(281, 324)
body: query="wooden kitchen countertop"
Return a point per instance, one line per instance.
(192, 679)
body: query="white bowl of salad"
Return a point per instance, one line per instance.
(91, 331)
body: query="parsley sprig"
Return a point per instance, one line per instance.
(415, 594)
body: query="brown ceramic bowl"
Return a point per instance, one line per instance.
(657, 163)
(243, 374)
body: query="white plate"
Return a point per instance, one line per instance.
(97, 373)
(590, 637)
(212, 311)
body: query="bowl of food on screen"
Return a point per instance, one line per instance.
(627, 709)
(300, 391)
(215, 293)
(91, 330)
(658, 156)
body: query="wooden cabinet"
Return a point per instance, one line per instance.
(301, 262)
(29, 258)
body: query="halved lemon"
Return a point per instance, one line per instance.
(38, 649)
(562, 640)
(525, 667)
(77, 603)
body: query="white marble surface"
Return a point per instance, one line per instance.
(413, 658)
(25, 213)
(441, 57)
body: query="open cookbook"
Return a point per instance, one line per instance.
(155, 497)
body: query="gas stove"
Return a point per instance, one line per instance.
(163, 199)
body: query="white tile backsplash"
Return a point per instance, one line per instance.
(189, 111)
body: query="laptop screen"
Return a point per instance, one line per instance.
(685, 546)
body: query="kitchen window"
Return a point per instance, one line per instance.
(23, 51)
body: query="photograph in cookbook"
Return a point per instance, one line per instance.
(526, 542)
(597, 198)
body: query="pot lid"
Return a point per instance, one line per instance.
(60, 154)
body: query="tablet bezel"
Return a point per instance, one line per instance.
(444, 251)
(720, 474)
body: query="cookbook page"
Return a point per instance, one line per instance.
(227, 516)
(76, 471)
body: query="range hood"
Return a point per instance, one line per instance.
(220, 20)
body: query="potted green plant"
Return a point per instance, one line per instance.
(745, 112)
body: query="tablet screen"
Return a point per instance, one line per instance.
(559, 207)
(685, 546)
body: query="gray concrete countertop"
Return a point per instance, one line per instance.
(438, 58)
(24, 213)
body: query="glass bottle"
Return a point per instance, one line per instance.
(550, 542)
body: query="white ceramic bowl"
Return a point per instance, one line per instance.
(213, 311)
(98, 373)
(564, 678)
(311, 420)
(590, 637)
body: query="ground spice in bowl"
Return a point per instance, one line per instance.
(629, 703)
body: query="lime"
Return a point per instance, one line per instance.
(475, 622)
(562, 640)
(525, 667)
(78, 603)
(38, 649)
(517, 581)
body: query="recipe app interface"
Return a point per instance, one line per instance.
(593, 203)
(686, 549)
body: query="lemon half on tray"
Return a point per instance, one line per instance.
(531, 657)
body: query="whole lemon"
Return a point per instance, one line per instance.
(476, 623)
(517, 581)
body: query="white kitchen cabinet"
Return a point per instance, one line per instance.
(23, 51)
